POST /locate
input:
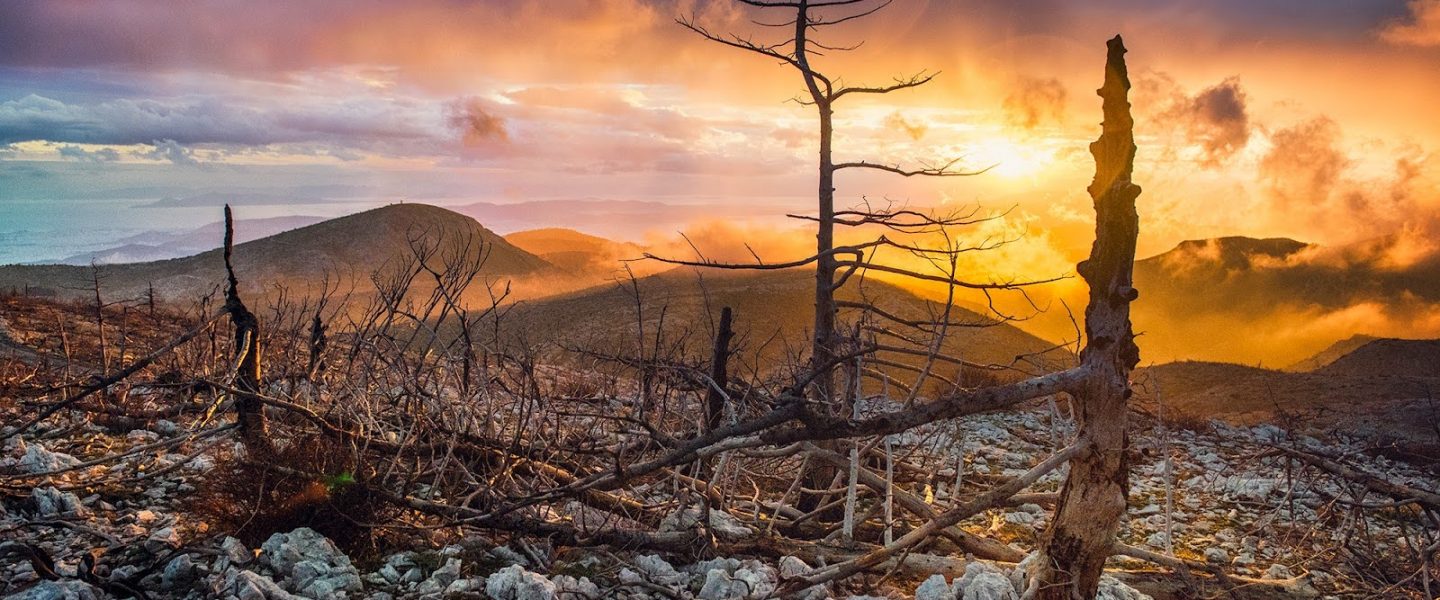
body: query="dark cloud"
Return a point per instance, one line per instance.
(1420, 28)
(476, 124)
(172, 151)
(252, 121)
(1033, 102)
(83, 155)
(1216, 119)
(898, 122)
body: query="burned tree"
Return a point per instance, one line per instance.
(250, 411)
(835, 264)
(1093, 500)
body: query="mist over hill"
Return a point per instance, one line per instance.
(1278, 301)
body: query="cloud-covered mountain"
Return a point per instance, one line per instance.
(1278, 301)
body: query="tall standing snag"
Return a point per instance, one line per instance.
(1093, 499)
(250, 412)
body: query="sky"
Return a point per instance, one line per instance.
(1306, 119)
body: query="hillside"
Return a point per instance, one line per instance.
(163, 246)
(1366, 404)
(587, 257)
(1393, 357)
(1331, 353)
(773, 315)
(349, 249)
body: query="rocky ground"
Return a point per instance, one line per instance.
(1222, 499)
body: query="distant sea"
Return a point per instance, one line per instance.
(33, 231)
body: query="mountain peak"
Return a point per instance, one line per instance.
(1238, 244)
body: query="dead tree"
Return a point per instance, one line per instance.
(250, 412)
(834, 264)
(1093, 499)
(719, 379)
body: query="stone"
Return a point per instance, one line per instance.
(38, 459)
(1113, 589)
(179, 572)
(515, 583)
(791, 567)
(510, 557)
(51, 502)
(249, 585)
(751, 581)
(236, 551)
(570, 587)
(934, 588)
(141, 436)
(1278, 571)
(441, 579)
(310, 564)
(655, 570)
(59, 590)
(165, 537)
(983, 581)
(724, 525)
(759, 578)
(719, 585)
(1216, 555)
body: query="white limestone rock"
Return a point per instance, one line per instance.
(310, 564)
(38, 459)
(515, 583)
(934, 588)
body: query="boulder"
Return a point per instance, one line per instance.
(59, 590)
(934, 588)
(51, 502)
(983, 581)
(515, 583)
(1114, 589)
(38, 459)
(310, 564)
(178, 573)
(249, 585)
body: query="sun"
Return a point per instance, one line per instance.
(1009, 159)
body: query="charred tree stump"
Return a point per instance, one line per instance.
(719, 379)
(250, 412)
(318, 343)
(1093, 500)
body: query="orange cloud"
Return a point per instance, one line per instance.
(1422, 28)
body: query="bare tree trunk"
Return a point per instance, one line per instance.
(99, 315)
(720, 380)
(318, 343)
(823, 352)
(250, 412)
(1093, 500)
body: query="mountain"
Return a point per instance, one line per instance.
(1393, 357)
(773, 313)
(1332, 353)
(158, 245)
(1278, 301)
(585, 256)
(348, 249)
(614, 218)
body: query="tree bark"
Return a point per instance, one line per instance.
(719, 376)
(250, 411)
(1093, 500)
